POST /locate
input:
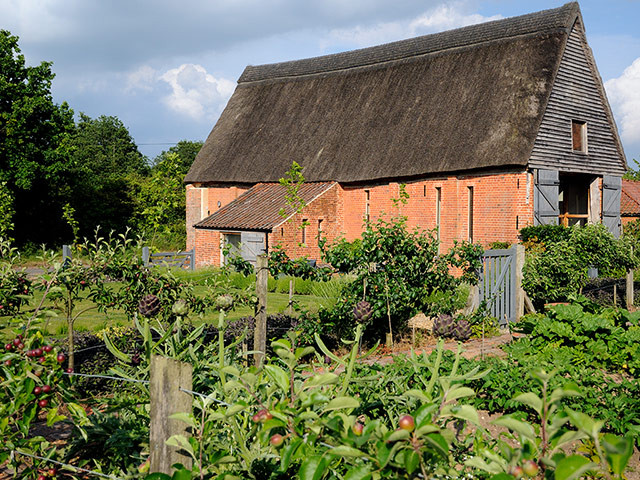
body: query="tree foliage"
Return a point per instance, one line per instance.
(34, 134)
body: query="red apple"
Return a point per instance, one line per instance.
(38, 352)
(357, 428)
(69, 370)
(407, 422)
(37, 391)
(42, 359)
(52, 472)
(61, 358)
(42, 477)
(7, 362)
(530, 468)
(46, 388)
(16, 341)
(47, 348)
(516, 471)
(276, 440)
(8, 346)
(20, 346)
(43, 403)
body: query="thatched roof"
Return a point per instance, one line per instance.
(260, 208)
(470, 98)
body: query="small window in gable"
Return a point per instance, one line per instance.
(579, 136)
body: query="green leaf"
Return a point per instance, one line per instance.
(186, 418)
(618, 451)
(181, 473)
(573, 467)
(346, 451)
(411, 461)
(53, 417)
(417, 394)
(360, 472)
(465, 412)
(180, 441)
(339, 403)
(518, 426)
(530, 399)
(399, 434)
(313, 468)
(459, 392)
(438, 443)
(320, 380)
(279, 376)
(157, 476)
(584, 422)
(120, 355)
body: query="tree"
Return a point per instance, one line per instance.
(34, 133)
(185, 151)
(104, 157)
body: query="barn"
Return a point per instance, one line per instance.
(484, 129)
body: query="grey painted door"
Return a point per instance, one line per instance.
(253, 244)
(545, 197)
(611, 192)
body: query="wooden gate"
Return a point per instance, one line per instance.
(498, 283)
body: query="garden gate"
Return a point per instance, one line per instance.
(499, 285)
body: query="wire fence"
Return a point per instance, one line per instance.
(75, 468)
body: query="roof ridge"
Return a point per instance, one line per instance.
(538, 22)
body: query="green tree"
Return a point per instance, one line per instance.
(160, 203)
(34, 133)
(185, 152)
(104, 157)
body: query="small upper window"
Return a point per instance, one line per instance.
(579, 136)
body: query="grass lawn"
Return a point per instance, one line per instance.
(93, 320)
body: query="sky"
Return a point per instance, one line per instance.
(166, 68)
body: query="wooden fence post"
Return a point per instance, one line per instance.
(520, 255)
(145, 256)
(167, 377)
(260, 335)
(629, 293)
(291, 297)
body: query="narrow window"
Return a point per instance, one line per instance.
(470, 213)
(367, 197)
(579, 136)
(304, 230)
(282, 232)
(319, 228)
(424, 190)
(438, 209)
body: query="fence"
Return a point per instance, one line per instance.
(500, 283)
(170, 384)
(163, 259)
(170, 259)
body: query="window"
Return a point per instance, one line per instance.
(438, 209)
(579, 136)
(305, 222)
(319, 228)
(470, 213)
(367, 197)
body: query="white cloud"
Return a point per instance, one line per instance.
(141, 79)
(442, 17)
(195, 93)
(624, 94)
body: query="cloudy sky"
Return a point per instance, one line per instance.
(166, 68)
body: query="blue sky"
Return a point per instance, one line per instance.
(167, 68)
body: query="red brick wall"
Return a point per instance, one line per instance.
(202, 202)
(207, 247)
(289, 233)
(498, 198)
